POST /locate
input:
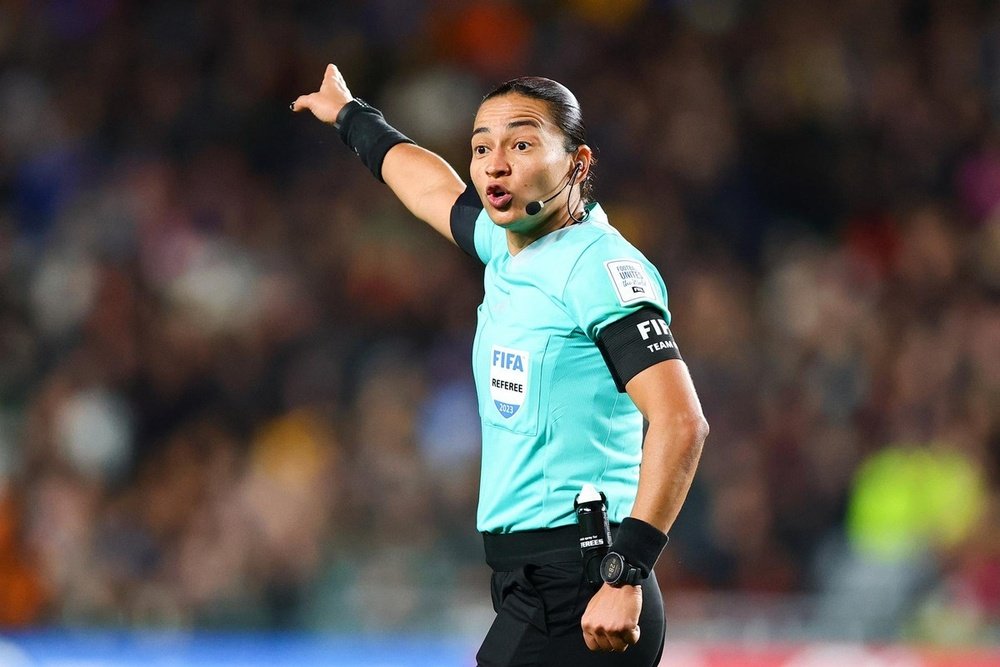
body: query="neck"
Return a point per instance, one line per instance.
(518, 241)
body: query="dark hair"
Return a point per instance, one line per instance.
(563, 108)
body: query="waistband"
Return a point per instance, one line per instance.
(509, 551)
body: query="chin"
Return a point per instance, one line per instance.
(505, 219)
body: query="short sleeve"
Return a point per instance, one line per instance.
(611, 280)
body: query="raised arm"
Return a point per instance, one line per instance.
(423, 182)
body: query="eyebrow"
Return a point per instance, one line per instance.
(531, 122)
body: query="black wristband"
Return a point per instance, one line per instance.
(640, 544)
(364, 130)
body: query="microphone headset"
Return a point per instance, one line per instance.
(535, 207)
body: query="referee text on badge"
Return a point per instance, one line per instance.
(508, 379)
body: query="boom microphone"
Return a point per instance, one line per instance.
(535, 207)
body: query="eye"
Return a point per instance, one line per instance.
(522, 145)
(479, 150)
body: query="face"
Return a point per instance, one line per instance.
(518, 156)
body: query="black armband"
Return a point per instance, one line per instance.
(636, 342)
(640, 543)
(464, 212)
(365, 131)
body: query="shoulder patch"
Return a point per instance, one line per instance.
(632, 283)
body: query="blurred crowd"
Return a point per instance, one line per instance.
(235, 383)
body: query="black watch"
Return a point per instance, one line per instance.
(616, 571)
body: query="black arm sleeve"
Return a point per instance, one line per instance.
(364, 129)
(636, 342)
(463, 220)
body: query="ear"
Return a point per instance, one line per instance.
(581, 162)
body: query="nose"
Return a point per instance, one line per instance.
(497, 165)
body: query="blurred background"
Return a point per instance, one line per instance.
(235, 384)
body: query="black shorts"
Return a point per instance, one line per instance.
(539, 607)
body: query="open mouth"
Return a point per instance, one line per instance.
(498, 197)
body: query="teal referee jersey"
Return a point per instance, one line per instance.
(552, 415)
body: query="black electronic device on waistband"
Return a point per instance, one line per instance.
(591, 509)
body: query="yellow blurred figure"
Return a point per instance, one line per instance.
(908, 499)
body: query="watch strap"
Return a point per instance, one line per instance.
(631, 577)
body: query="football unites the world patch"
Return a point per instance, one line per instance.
(508, 379)
(632, 283)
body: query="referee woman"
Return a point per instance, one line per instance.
(572, 352)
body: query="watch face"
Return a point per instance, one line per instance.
(611, 567)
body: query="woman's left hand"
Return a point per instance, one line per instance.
(611, 621)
